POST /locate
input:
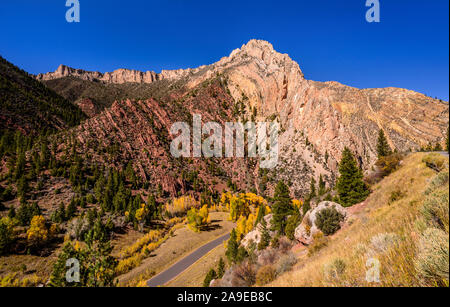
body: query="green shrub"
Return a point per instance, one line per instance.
(438, 181)
(395, 195)
(432, 261)
(292, 223)
(389, 164)
(435, 161)
(436, 210)
(329, 220)
(382, 242)
(334, 269)
(265, 275)
(241, 254)
(319, 242)
(275, 242)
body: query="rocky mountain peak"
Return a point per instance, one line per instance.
(256, 48)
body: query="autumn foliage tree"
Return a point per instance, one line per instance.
(179, 206)
(197, 219)
(38, 234)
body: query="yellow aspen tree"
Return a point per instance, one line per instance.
(38, 232)
(250, 223)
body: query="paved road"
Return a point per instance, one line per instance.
(179, 267)
(444, 153)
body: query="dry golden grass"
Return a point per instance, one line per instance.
(386, 229)
(195, 274)
(23, 267)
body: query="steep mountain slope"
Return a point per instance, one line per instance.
(401, 229)
(138, 131)
(31, 107)
(318, 119)
(94, 96)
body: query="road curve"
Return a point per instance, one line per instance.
(444, 153)
(179, 267)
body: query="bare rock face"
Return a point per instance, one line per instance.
(88, 107)
(118, 76)
(305, 232)
(256, 234)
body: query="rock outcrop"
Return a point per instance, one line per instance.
(118, 76)
(305, 232)
(256, 234)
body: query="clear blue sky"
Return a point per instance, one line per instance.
(330, 39)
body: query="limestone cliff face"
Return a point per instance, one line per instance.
(318, 119)
(119, 76)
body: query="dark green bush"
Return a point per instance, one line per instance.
(292, 223)
(328, 220)
(209, 277)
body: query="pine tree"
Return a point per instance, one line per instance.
(306, 206)
(6, 234)
(241, 254)
(383, 148)
(71, 210)
(321, 186)
(20, 166)
(261, 214)
(221, 268)
(265, 236)
(282, 207)
(292, 223)
(152, 206)
(232, 247)
(350, 186)
(312, 188)
(209, 277)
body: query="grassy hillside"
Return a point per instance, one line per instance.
(403, 225)
(30, 106)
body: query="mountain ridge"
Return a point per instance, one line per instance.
(318, 119)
